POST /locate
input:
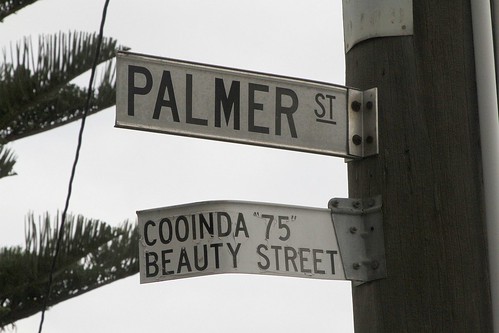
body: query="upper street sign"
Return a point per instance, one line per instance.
(184, 98)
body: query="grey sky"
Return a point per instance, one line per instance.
(122, 171)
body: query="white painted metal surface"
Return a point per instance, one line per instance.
(365, 19)
(495, 33)
(182, 98)
(485, 62)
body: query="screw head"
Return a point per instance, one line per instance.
(357, 139)
(333, 203)
(356, 204)
(369, 105)
(356, 106)
(374, 264)
(356, 266)
(353, 230)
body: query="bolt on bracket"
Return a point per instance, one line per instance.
(363, 122)
(359, 231)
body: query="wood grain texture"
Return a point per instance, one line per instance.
(429, 174)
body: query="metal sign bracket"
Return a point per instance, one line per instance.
(363, 122)
(363, 19)
(359, 230)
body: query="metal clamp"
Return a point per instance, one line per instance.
(359, 230)
(365, 19)
(363, 122)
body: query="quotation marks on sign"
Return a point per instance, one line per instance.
(284, 231)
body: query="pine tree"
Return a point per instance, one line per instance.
(37, 94)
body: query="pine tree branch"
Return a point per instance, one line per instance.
(36, 93)
(7, 161)
(92, 255)
(8, 7)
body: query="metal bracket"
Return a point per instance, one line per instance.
(363, 122)
(364, 19)
(359, 230)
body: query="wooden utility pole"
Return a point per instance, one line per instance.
(429, 174)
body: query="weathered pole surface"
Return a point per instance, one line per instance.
(429, 174)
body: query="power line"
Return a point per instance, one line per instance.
(73, 171)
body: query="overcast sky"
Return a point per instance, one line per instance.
(122, 171)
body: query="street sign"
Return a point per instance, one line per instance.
(237, 237)
(198, 100)
(256, 238)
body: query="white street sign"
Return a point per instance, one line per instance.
(237, 237)
(183, 98)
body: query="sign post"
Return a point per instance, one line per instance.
(210, 102)
(428, 171)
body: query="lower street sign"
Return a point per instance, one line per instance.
(184, 98)
(244, 237)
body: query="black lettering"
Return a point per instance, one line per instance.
(276, 248)
(290, 258)
(206, 225)
(165, 261)
(284, 226)
(269, 224)
(259, 251)
(303, 259)
(177, 228)
(241, 225)
(317, 113)
(252, 106)
(183, 261)
(317, 261)
(216, 246)
(188, 104)
(166, 83)
(331, 254)
(227, 102)
(234, 253)
(198, 258)
(223, 216)
(133, 90)
(287, 110)
(150, 264)
(330, 98)
(146, 237)
(321, 114)
(162, 232)
(194, 228)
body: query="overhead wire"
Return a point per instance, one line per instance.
(75, 163)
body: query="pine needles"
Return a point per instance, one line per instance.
(92, 255)
(36, 89)
(7, 161)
